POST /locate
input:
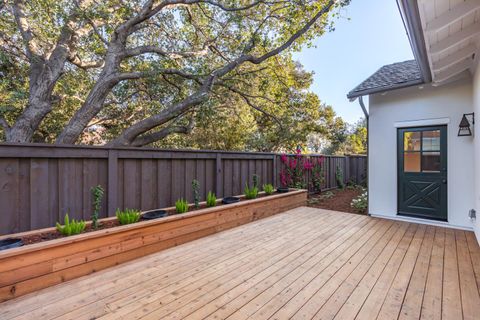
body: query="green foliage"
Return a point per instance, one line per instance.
(318, 176)
(268, 188)
(127, 216)
(360, 203)
(347, 139)
(181, 206)
(279, 87)
(255, 180)
(326, 195)
(339, 177)
(196, 193)
(211, 199)
(97, 193)
(250, 192)
(71, 227)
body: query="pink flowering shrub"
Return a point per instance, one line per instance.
(297, 167)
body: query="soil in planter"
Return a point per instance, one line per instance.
(339, 201)
(45, 236)
(52, 235)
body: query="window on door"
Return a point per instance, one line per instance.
(421, 151)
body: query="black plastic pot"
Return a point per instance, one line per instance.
(229, 200)
(155, 214)
(10, 243)
(282, 190)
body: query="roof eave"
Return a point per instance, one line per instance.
(352, 95)
(413, 25)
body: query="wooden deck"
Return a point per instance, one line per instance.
(303, 264)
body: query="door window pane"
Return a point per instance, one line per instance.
(431, 161)
(411, 141)
(431, 140)
(411, 162)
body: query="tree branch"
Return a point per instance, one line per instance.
(77, 61)
(201, 95)
(174, 54)
(246, 97)
(163, 133)
(24, 27)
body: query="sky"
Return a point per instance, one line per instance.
(342, 59)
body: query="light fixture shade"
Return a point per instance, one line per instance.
(464, 127)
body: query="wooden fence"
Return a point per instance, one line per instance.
(40, 183)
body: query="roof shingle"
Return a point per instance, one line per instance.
(389, 77)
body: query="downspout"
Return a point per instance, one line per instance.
(365, 112)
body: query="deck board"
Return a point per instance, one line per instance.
(302, 264)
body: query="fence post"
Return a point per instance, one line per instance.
(219, 176)
(112, 182)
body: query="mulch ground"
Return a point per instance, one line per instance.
(338, 200)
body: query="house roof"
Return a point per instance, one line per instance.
(389, 77)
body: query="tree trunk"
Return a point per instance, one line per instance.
(39, 105)
(90, 108)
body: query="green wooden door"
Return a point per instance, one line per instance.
(422, 172)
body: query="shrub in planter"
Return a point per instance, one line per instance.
(268, 188)
(71, 227)
(360, 203)
(255, 181)
(297, 167)
(211, 199)
(251, 193)
(196, 193)
(128, 216)
(97, 193)
(339, 177)
(181, 206)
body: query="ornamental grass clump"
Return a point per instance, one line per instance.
(211, 199)
(268, 188)
(360, 203)
(250, 193)
(127, 216)
(181, 206)
(71, 227)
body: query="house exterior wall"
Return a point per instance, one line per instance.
(476, 109)
(418, 107)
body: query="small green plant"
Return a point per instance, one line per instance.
(255, 181)
(196, 193)
(339, 177)
(211, 199)
(181, 206)
(326, 195)
(70, 227)
(360, 203)
(97, 193)
(127, 216)
(251, 193)
(268, 188)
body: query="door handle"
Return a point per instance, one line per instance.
(444, 181)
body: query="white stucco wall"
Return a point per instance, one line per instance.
(476, 109)
(433, 105)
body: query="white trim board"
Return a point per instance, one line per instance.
(422, 221)
(421, 123)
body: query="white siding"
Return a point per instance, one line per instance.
(447, 104)
(476, 109)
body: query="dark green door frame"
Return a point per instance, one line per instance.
(422, 172)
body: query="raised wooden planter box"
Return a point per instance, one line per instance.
(36, 266)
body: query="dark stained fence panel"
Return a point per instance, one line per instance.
(40, 183)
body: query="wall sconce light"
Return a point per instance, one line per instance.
(464, 127)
